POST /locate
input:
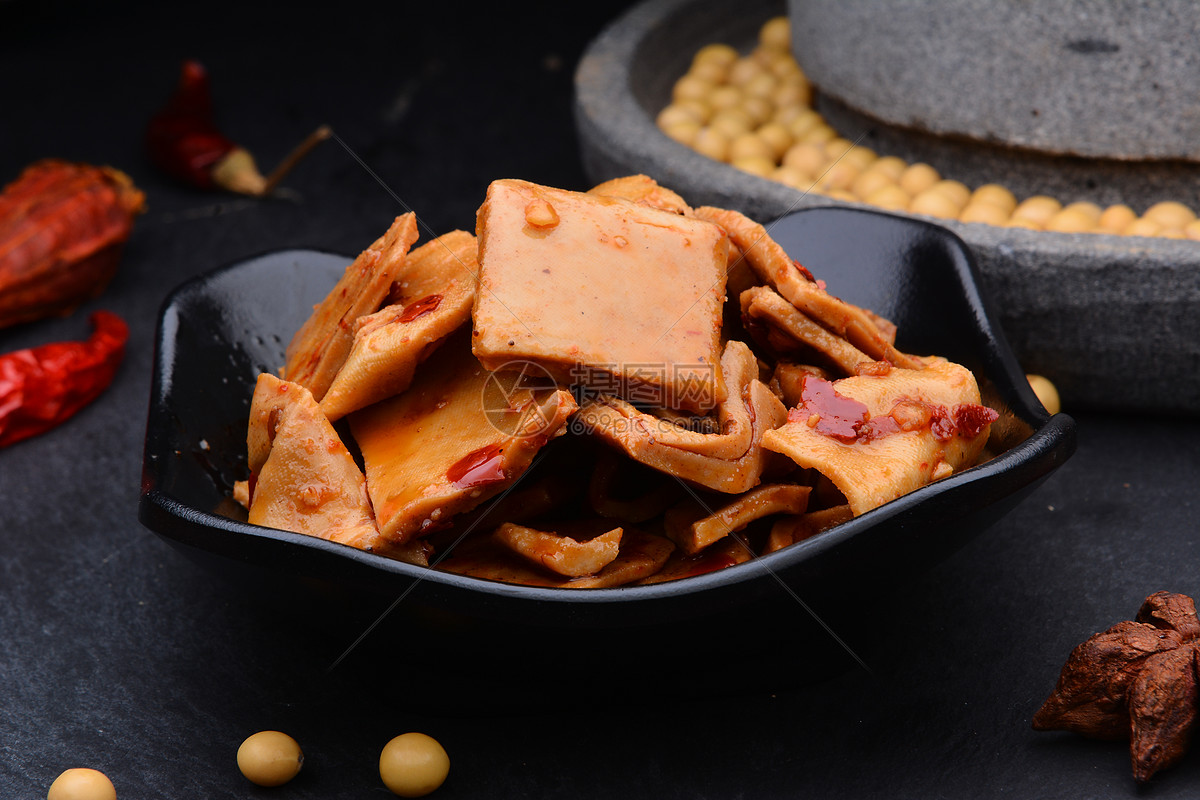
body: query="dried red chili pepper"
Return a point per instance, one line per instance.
(183, 140)
(41, 387)
(62, 228)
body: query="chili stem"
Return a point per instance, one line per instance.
(316, 137)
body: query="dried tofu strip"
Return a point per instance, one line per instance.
(388, 347)
(693, 526)
(441, 448)
(766, 306)
(920, 405)
(726, 553)
(740, 367)
(305, 480)
(316, 352)
(789, 530)
(645, 190)
(641, 555)
(241, 493)
(731, 476)
(389, 344)
(651, 441)
(774, 266)
(706, 423)
(561, 554)
(453, 256)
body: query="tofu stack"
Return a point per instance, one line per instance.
(590, 390)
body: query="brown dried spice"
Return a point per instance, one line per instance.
(1137, 681)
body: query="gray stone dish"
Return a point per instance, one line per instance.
(1113, 321)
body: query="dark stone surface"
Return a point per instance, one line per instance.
(117, 652)
(1113, 321)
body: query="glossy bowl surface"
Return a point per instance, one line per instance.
(218, 331)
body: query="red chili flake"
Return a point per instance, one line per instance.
(803, 270)
(419, 308)
(877, 428)
(972, 419)
(942, 423)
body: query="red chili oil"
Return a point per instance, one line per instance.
(478, 468)
(419, 308)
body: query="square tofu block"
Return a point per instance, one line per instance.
(601, 292)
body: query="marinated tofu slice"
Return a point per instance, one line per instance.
(305, 480)
(457, 436)
(318, 349)
(734, 430)
(693, 525)
(877, 437)
(640, 555)
(728, 552)
(763, 307)
(560, 552)
(645, 190)
(453, 256)
(601, 292)
(434, 295)
(858, 326)
(788, 530)
(732, 461)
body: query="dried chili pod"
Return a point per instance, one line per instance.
(41, 387)
(183, 141)
(62, 228)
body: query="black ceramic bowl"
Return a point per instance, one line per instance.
(218, 331)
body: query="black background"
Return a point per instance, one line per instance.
(118, 653)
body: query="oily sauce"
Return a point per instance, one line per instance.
(837, 416)
(478, 468)
(849, 420)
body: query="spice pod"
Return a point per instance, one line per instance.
(1136, 681)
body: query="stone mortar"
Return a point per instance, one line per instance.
(1113, 321)
(1116, 79)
